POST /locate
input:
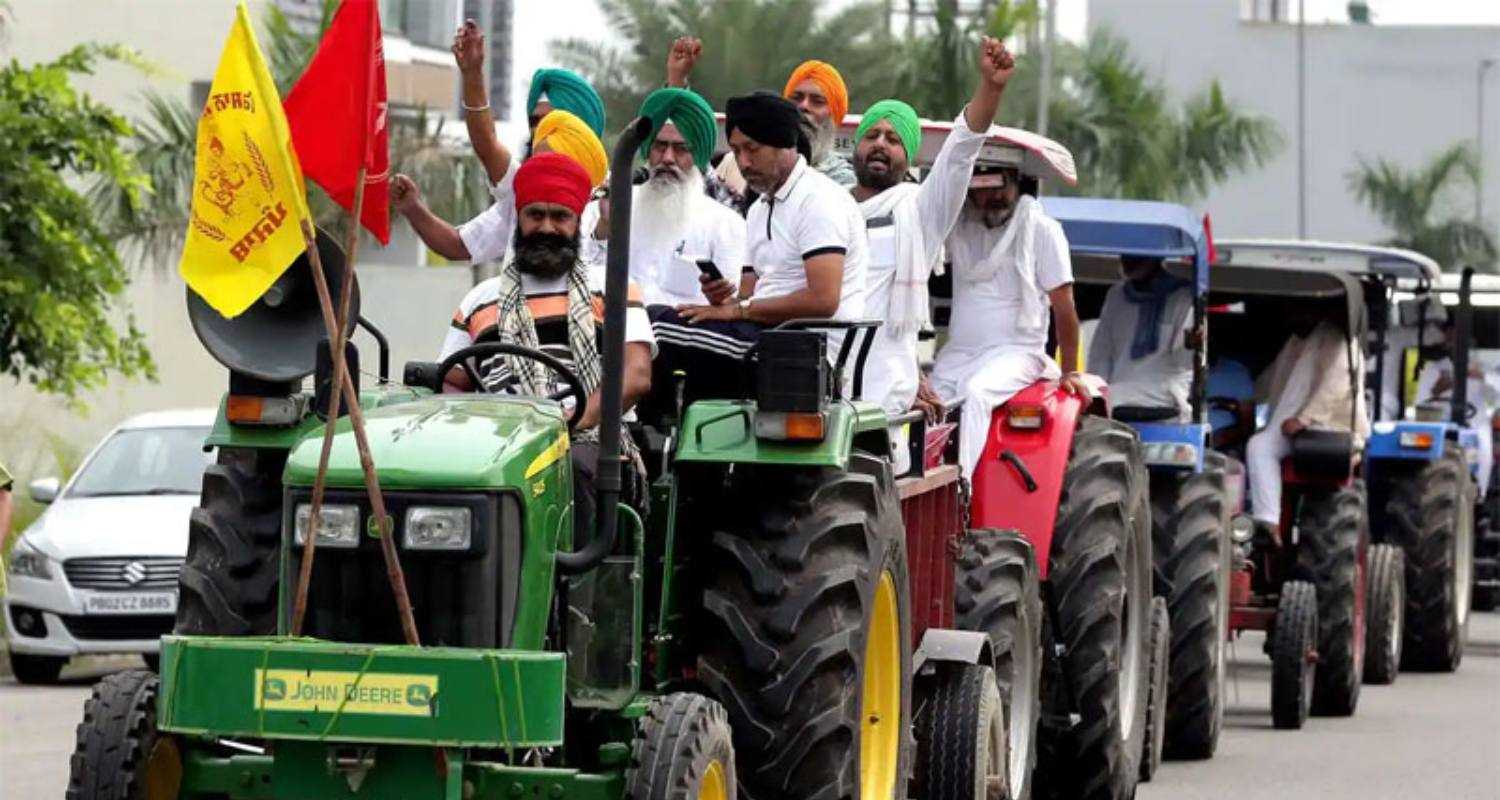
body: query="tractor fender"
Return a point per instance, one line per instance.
(948, 646)
(1018, 481)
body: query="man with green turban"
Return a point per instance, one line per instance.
(554, 87)
(907, 222)
(676, 224)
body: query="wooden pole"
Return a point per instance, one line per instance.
(337, 346)
(357, 420)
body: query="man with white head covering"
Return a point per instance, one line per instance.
(1010, 266)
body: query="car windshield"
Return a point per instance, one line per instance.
(145, 461)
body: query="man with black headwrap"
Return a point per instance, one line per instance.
(806, 252)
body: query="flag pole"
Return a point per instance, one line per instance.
(337, 347)
(393, 569)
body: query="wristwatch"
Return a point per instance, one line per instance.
(745, 308)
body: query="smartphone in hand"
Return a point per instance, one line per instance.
(707, 267)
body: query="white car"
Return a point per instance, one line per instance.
(97, 572)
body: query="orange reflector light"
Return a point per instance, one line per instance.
(1416, 441)
(243, 409)
(790, 426)
(1025, 417)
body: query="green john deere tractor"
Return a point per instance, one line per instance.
(743, 628)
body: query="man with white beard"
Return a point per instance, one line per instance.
(675, 225)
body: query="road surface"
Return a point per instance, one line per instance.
(1428, 736)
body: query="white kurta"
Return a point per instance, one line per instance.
(1483, 393)
(992, 351)
(666, 266)
(1163, 378)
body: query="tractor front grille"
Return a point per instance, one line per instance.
(123, 573)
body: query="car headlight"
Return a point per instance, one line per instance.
(437, 528)
(338, 526)
(26, 561)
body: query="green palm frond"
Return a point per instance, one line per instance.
(1428, 208)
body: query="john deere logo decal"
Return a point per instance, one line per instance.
(320, 691)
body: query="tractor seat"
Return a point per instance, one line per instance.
(1320, 455)
(1145, 414)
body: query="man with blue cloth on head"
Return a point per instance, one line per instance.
(1141, 345)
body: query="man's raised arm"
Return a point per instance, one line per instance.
(468, 52)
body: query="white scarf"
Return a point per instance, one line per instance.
(1016, 250)
(908, 309)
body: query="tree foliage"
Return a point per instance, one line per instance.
(60, 276)
(1428, 207)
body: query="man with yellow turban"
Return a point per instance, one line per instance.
(819, 93)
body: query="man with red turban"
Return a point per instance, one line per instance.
(544, 295)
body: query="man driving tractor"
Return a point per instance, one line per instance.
(1140, 345)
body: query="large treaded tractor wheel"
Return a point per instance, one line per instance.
(229, 580)
(1190, 537)
(1100, 580)
(998, 593)
(1293, 646)
(961, 736)
(1385, 601)
(119, 755)
(1433, 510)
(807, 632)
(1156, 695)
(682, 751)
(1331, 549)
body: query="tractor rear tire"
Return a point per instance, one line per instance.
(683, 750)
(1385, 603)
(1100, 580)
(998, 593)
(1192, 547)
(1156, 698)
(807, 632)
(230, 577)
(119, 753)
(961, 748)
(1433, 510)
(1331, 550)
(1293, 641)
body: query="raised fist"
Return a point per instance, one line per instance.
(468, 47)
(996, 64)
(681, 58)
(405, 195)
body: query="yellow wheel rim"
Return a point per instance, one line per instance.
(713, 786)
(880, 704)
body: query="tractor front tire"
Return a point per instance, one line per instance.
(229, 580)
(1385, 602)
(807, 634)
(998, 593)
(1434, 512)
(119, 754)
(1156, 698)
(1293, 642)
(1101, 583)
(961, 748)
(1190, 521)
(1331, 550)
(683, 750)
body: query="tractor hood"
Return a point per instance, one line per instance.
(475, 442)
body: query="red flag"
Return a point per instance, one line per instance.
(337, 113)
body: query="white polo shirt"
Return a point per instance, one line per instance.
(808, 216)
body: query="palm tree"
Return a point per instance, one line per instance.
(1428, 207)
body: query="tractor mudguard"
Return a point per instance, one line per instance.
(270, 437)
(1405, 441)
(723, 432)
(953, 647)
(1018, 482)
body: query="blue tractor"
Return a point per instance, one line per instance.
(1193, 489)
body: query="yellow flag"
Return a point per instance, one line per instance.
(248, 197)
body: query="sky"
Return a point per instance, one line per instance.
(540, 21)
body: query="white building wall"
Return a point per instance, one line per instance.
(1399, 92)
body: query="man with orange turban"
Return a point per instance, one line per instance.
(820, 95)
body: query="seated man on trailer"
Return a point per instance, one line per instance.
(1141, 345)
(1010, 264)
(1307, 386)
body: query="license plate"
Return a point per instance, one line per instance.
(140, 603)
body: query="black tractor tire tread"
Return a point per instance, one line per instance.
(1425, 510)
(115, 738)
(1385, 601)
(998, 592)
(1102, 503)
(961, 702)
(1156, 698)
(1331, 527)
(680, 735)
(1191, 546)
(230, 577)
(787, 595)
(1295, 633)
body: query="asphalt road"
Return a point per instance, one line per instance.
(1428, 736)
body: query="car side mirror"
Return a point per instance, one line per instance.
(44, 490)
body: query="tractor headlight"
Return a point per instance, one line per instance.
(338, 526)
(29, 562)
(438, 528)
(1241, 529)
(1169, 454)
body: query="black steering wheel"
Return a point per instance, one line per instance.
(467, 358)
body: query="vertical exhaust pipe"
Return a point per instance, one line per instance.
(1463, 322)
